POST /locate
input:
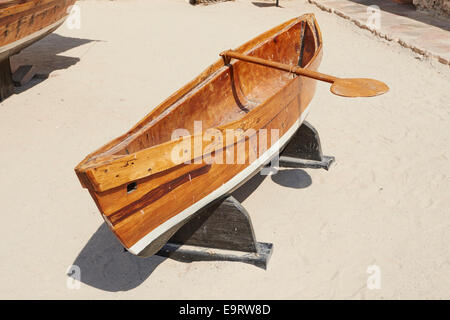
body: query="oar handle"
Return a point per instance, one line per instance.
(280, 66)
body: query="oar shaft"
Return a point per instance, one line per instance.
(280, 66)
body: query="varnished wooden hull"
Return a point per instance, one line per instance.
(253, 98)
(24, 22)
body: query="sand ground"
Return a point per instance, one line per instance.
(385, 202)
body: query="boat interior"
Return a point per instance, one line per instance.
(228, 93)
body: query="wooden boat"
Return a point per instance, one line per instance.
(23, 22)
(145, 196)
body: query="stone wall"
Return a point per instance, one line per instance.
(439, 6)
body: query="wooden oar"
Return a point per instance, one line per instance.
(346, 87)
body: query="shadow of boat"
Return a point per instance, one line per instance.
(46, 56)
(292, 178)
(105, 265)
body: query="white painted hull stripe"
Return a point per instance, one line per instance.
(36, 34)
(233, 182)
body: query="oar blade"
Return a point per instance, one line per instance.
(358, 87)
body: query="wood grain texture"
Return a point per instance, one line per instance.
(239, 95)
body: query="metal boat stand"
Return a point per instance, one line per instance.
(223, 231)
(11, 76)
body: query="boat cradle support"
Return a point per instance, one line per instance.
(223, 231)
(305, 151)
(14, 76)
(6, 81)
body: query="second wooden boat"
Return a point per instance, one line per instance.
(147, 184)
(23, 22)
